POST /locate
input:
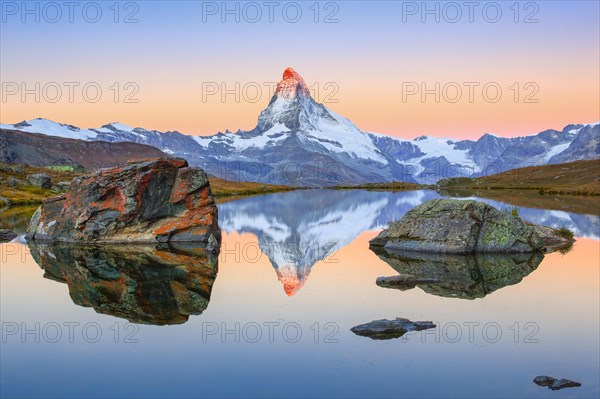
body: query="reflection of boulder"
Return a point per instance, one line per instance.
(460, 276)
(143, 284)
(403, 282)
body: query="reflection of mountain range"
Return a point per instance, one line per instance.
(142, 284)
(298, 229)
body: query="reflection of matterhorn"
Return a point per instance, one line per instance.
(293, 261)
(296, 230)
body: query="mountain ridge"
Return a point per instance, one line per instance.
(36, 149)
(300, 142)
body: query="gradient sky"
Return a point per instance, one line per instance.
(368, 55)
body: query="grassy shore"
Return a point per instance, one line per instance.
(572, 187)
(581, 178)
(20, 193)
(14, 186)
(391, 186)
(230, 189)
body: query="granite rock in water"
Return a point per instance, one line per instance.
(150, 201)
(463, 227)
(388, 329)
(553, 383)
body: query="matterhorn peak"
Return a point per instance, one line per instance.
(291, 84)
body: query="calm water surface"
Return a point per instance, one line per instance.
(271, 315)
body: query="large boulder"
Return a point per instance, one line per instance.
(40, 180)
(463, 227)
(155, 200)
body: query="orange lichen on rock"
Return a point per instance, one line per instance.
(154, 200)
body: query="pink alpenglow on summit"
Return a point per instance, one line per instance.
(291, 85)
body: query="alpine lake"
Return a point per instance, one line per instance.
(270, 314)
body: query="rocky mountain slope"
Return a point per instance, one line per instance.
(43, 150)
(573, 178)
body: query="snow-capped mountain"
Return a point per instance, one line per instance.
(298, 141)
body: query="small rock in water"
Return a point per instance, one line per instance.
(553, 383)
(7, 235)
(388, 329)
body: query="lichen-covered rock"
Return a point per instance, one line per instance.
(40, 180)
(155, 200)
(461, 227)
